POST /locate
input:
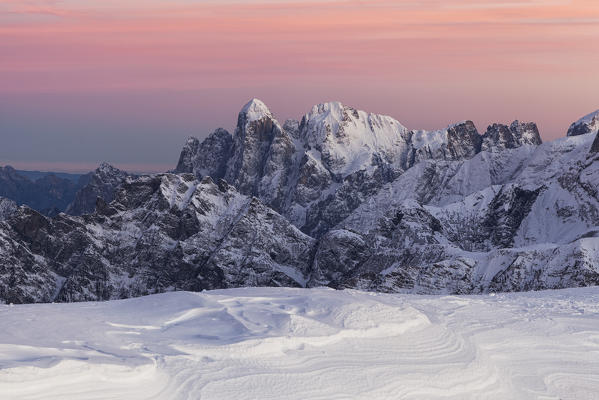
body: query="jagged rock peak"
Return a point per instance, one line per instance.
(208, 157)
(500, 136)
(526, 132)
(463, 140)
(587, 124)
(255, 110)
(106, 169)
(189, 153)
(108, 174)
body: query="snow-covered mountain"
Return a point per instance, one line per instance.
(587, 124)
(520, 219)
(342, 198)
(161, 233)
(317, 171)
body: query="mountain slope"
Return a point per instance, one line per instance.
(343, 198)
(161, 233)
(533, 227)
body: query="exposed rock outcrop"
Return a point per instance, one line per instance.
(499, 136)
(206, 158)
(102, 183)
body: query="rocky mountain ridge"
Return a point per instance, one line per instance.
(161, 232)
(315, 172)
(341, 198)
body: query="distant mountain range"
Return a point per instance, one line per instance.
(51, 193)
(342, 198)
(46, 192)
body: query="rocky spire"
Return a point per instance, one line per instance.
(499, 136)
(261, 155)
(463, 140)
(206, 158)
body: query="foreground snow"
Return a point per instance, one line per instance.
(274, 343)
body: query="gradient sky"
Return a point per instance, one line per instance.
(126, 81)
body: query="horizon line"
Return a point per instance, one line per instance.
(80, 168)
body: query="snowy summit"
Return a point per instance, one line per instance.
(255, 110)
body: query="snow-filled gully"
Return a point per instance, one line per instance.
(274, 343)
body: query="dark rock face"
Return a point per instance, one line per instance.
(595, 145)
(525, 133)
(355, 189)
(102, 183)
(207, 158)
(463, 140)
(500, 136)
(262, 154)
(339, 253)
(507, 210)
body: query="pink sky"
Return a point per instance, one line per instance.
(127, 81)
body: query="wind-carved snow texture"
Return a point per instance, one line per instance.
(341, 198)
(273, 343)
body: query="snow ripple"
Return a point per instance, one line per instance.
(273, 343)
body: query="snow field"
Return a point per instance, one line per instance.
(275, 343)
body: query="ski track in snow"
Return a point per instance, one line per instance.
(276, 343)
